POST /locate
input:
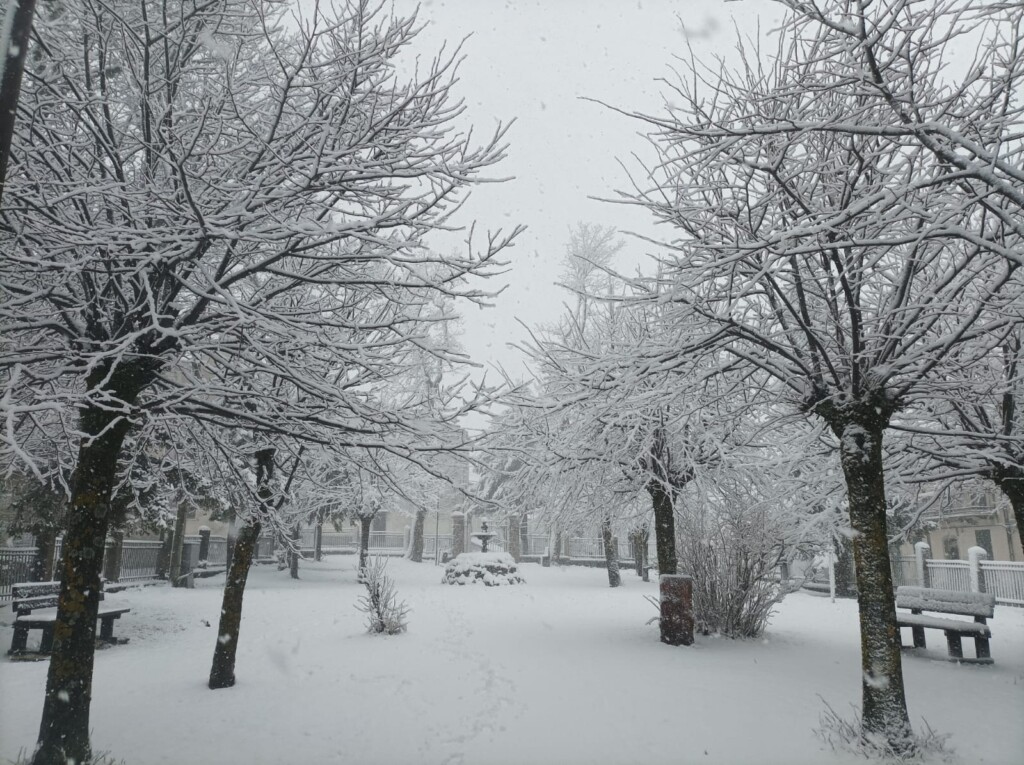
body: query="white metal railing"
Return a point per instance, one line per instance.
(329, 540)
(335, 540)
(435, 543)
(536, 544)
(593, 547)
(139, 559)
(949, 575)
(387, 540)
(583, 547)
(904, 570)
(15, 566)
(218, 552)
(1005, 580)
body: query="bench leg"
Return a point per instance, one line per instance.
(107, 628)
(46, 644)
(19, 642)
(956, 648)
(981, 647)
(918, 633)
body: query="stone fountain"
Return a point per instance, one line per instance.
(484, 536)
(490, 568)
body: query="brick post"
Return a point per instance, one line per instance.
(676, 609)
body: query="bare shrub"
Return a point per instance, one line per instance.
(731, 549)
(844, 735)
(385, 613)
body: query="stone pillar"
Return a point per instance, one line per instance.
(163, 561)
(458, 533)
(676, 609)
(110, 562)
(921, 551)
(177, 547)
(204, 543)
(975, 556)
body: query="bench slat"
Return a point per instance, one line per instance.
(30, 596)
(51, 616)
(946, 601)
(30, 589)
(935, 622)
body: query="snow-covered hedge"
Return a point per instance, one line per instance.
(491, 568)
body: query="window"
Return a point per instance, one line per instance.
(983, 539)
(380, 522)
(950, 548)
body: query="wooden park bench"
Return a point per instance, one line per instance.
(980, 605)
(41, 597)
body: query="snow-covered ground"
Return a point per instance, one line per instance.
(559, 670)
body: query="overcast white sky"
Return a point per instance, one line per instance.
(533, 60)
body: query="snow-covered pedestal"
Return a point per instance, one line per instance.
(491, 568)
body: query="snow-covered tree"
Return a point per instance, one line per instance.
(217, 212)
(848, 255)
(976, 428)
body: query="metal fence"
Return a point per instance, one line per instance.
(593, 547)
(329, 540)
(15, 566)
(434, 544)
(266, 545)
(904, 571)
(536, 544)
(140, 559)
(1005, 580)
(949, 575)
(387, 541)
(218, 552)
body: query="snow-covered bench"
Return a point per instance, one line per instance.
(42, 596)
(980, 605)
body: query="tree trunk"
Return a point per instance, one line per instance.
(318, 538)
(1013, 488)
(222, 672)
(416, 548)
(515, 540)
(232, 537)
(639, 539)
(42, 564)
(556, 554)
(611, 554)
(295, 551)
(14, 50)
(64, 727)
(845, 570)
(664, 527)
(364, 543)
(884, 701)
(178, 548)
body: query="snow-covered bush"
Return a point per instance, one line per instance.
(730, 545)
(491, 568)
(385, 613)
